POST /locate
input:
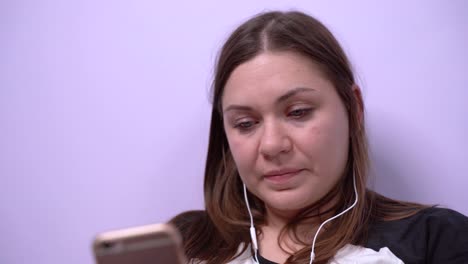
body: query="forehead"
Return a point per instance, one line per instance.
(271, 74)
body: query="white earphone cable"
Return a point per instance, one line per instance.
(312, 253)
(253, 234)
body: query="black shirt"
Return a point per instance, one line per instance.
(263, 260)
(434, 235)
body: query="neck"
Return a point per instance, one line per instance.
(278, 249)
(277, 220)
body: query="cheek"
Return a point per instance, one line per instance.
(336, 143)
(326, 144)
(243, 152)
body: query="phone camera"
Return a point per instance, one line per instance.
(107, 245)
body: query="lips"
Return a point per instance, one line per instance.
(281, 176)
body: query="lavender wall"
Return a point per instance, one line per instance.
(104, 109)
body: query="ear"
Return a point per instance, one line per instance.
(360, 103)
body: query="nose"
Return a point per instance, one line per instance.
(275, 140)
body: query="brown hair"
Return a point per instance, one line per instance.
(225, 224)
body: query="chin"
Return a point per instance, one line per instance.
(288, 203)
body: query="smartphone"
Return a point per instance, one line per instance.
(149, 244)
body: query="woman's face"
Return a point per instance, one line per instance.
(287, 130)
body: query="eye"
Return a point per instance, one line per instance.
(298, 113)
(245, 125)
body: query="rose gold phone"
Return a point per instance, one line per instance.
(150, 244)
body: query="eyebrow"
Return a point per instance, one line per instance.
(293, 92)
(280, 99)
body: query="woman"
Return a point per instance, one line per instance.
(287, 164)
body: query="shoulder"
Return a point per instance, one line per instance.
(188, 222)
(447, 236)
(200, 237)
(432, 219)
(433, 235)
(443, 217)
(203, 242)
